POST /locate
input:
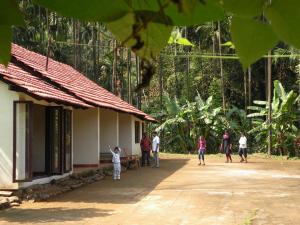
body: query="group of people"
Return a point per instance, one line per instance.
(146, 146)
(225, 147)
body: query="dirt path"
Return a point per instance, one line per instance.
(180, 192)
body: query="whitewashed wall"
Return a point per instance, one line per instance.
(125, 132)
(109, 129)
(6, 136)
(85, 136)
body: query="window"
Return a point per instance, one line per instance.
(22, 126)
(137, 131)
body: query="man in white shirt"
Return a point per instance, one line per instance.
(155, 149)
(243, 148)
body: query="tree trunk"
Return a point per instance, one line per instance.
(114, 72)
(129, 96)
(249, 86)
(78, 46)
(74, 43)
(161, 84)
(269, 120)
(94, 55)
(187, 68)
(121, 74)
(49, 39)
(175, 73)
(245, 89)
(221, 69)
(138, 75)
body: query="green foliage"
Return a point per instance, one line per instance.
(146, 42)
(5, 43)
(285, 17)
(193, 12)
(145, 26)
(245, 8)
(176, 38)
(285, 114)
(252, 39)
(184, 123)
(10, 15)
(91, 10)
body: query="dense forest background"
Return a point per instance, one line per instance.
(194, 91)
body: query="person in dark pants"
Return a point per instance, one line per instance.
(145, 148)
(226, 146)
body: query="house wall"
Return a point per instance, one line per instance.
(85, 137)
(136, 149)
(125, 132)
(6, 136)
(38, 140)
(109, 127)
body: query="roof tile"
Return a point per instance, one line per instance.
(75, 82)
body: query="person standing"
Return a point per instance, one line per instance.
(145, 148)
(155, 149)
(243, 148)
(116, 155)
(201, 149)
(226, 146)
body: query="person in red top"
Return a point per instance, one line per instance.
(146, 149)
(201, 149)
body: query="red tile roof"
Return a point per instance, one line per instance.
(73, 81)
(36, 87)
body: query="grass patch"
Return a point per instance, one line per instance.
(250, 218)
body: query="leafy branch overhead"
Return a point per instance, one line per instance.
(146, 26)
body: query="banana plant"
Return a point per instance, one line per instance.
(285, 114)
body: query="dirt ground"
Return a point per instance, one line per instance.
(179, 192)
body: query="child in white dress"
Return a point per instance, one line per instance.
(116, 154)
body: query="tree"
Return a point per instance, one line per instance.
(146, 28)
(284, 112)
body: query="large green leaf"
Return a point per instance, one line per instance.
(10, 13)
(252, 39)
(184, 41)
(258, 102)
(279, 90)
(138, 5)
(176, 38)
(91, 10)
(5, 43)
(147, 42)
(285, 18)
(199, 12)
(248, 8)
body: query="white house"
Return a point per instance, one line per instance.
(54, 119)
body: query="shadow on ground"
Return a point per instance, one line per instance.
(85, 202)
(133, 186)
(50, 215)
